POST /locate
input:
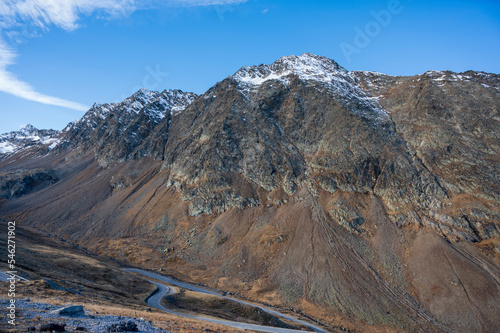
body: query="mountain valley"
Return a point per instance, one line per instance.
(363, 201)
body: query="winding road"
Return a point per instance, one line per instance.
(163, 290)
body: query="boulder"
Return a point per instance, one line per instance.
(129, 326)
(70, 311)
(51, 327)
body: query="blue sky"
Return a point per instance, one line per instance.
(58, 58)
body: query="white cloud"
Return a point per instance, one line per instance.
(61, 13)
(65, 13)
(16, 15)
(11, 85)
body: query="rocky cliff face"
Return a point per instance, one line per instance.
(363, 198)
(305, 121)
(451, 124)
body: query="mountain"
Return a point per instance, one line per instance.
(126, 124)
(28, 136)
(366, 201)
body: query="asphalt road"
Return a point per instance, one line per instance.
(155, 301)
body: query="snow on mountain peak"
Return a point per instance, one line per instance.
(27, 136)
(140, 99)
(306, 66)
(311, 69)
(177, 100)
(154, 104)
(28, 129)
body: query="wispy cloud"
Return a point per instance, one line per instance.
(16, 15)
(61, 13)
(12, 85)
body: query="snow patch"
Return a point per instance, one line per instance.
(53, 143)
(7, 148)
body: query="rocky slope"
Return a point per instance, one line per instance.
(366, 200)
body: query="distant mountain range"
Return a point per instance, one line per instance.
(362, 199)
(27, 136)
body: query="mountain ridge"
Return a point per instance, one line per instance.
(299, 183)
(27, 136)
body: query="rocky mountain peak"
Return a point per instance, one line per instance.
(176, 100)
(156, 104)
(140, 99)
(28, 129)
(440, 78)
(27, 136)
(127, 124)
(314, 71)
(306, 66)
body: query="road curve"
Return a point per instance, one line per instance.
(163, 290)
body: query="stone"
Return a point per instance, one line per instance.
(51, 327)
(129, 326)
(70, 311)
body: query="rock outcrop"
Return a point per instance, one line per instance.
(21, 182)
(70, 311)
